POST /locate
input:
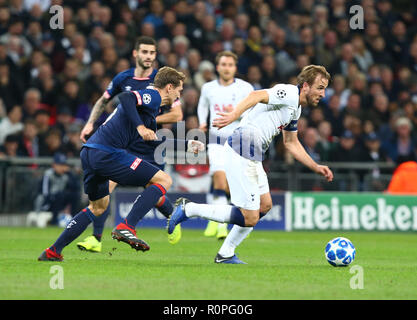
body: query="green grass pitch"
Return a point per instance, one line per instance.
(281, 265)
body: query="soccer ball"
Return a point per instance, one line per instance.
(340, 252)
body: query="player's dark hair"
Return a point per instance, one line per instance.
(144, 40)
(309, 74)
(167, 75)
(226, 54)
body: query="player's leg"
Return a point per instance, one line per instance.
(244, 190)
(157, 183)
(97, 189)
(75, 228)
(219, 189)
(238, 233)
(93, 243)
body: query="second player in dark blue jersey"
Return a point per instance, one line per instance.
(133, 79)
(105, 157)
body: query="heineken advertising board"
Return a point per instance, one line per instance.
(350, 211)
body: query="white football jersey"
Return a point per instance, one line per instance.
(215, 98)
(263, 122)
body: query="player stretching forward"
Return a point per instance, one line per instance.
(220, 95)
(105, 158)
(276, 110)
(138, 78)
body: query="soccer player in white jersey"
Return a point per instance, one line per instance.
(220, 95)
(271, 111)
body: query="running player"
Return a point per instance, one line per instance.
(272, 111)
(105, 157)
(138, 78)
(220, 95)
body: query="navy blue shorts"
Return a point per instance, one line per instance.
(121, 167)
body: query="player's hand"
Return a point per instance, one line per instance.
(195, 146)
(325, 172)
(87, 130)
(225, 119)
(146, 134)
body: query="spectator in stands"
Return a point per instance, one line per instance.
(12, 123)
(52, 144)
(10, 146)
(346, 150)
(10, 88)
(310, 143)
(28, 139)
(402, 144)
(58, 189)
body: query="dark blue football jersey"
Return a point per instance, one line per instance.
(136, 108)
(126, 81)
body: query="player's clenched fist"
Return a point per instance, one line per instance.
(325, 172)
(146, 134)
(195, 146)
(88, 128)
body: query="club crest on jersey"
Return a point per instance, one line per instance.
(110, 85)
(146, 98)
(281, 93)
(128, 88)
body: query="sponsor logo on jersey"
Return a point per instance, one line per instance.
(135, 164)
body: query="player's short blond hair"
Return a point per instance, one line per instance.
(168, 75)
(309, 74)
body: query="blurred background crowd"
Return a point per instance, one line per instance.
(50, 79)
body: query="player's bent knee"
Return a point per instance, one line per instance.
(98, 207)
(163, 179)
(251, 219)
(266, 207)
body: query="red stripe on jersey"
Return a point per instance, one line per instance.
(135, 164)
(138, 97)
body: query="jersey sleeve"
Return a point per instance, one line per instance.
(292, 126)
(148, 100)
(114, 86)
(128, 102)
(203, 106)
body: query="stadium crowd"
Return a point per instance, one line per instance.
(51, 78)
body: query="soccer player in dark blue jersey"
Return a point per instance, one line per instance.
(138, 78)
(105, 157)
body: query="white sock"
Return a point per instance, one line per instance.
(220, 200)
(233, 239)
(215, 212)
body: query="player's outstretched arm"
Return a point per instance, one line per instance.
(173, 115)
(296, 149)
(98, 109)
(226, 118)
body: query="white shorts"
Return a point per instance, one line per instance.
(246, 178)
(216, 157)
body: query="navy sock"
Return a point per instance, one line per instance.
(98, 224)
(74, 228)
(219, 193)
(236, 217)
(165, 207)
(145, 202)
